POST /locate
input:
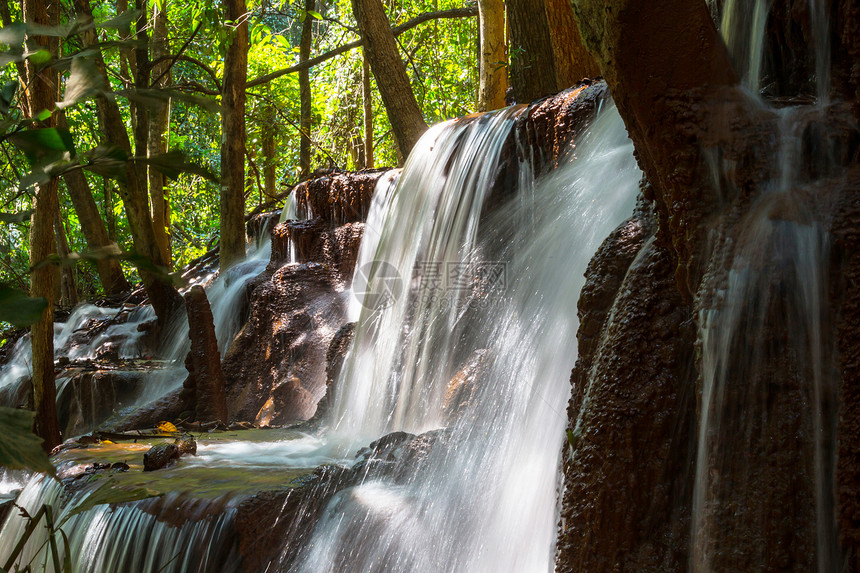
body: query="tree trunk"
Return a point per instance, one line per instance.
(270, 174)
(533, 70)
(43, 94)
(68, 290)
(493, 82)
(407, 122)
(110, 218)
(572, 60)
(159, 119)
(233, 137)
(305, 92)
(141, 82)
(164, 298)
(94, 231)
(367, 101)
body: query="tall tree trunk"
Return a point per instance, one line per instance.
(110, 218)
(141, 82)
(407, 122)
(305, 91)
(367, 100)
(42, 94)
(233, 137)
(94, 231)
(68, 290)
(493, 81)
(164, 298)
(270, 173)
(159, 119)
(533, 70)
(572, 60)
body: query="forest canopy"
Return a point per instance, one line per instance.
(164, 65)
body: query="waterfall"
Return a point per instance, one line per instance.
(126, 537)
(489, 501)
(767, 431)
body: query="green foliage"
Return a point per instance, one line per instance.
(19, 447)
(441, 62)
(18, 309)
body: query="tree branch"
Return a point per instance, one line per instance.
(179, 53)
(396, 30)
(191, 60)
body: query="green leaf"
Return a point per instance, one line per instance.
(108, 493)
(316, 15)
(7, 95)
(151, 97)
(122, 21)
(44, 145)
(20, 448)
(16, 217)
(107, 161)
(84, 82)
(42, 115)
(19, 309)
(39, 57)
(13, 35)
(173, 163)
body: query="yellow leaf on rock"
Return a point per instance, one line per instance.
(167, 428)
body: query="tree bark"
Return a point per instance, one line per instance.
(305, 92)
(533, 70)
(233, 137)
(68, 290)
(367, 104)
(407, 122)
(141, 81)
(42, 94)
(493, 81)
(158, 125)
(572, 60)
(270, 174)
(94, 231)
(163, 297)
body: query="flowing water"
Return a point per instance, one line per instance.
(441, 280)
(489, 501)
(767, 432)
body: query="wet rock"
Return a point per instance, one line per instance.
(338, 198)
(168, 407)
(261, 223)
(550, 127)
(637, 368)
(312, 240)
(274, 526)
(846, 228)
(334, 358)
(205, 378)
(187, 445)
(461, 389)
(275, 368)
(160, 456)
(387, 448)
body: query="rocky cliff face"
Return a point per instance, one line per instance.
(276, 367)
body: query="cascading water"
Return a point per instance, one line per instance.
(122, 538)
(768, 421)
(489, 501)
